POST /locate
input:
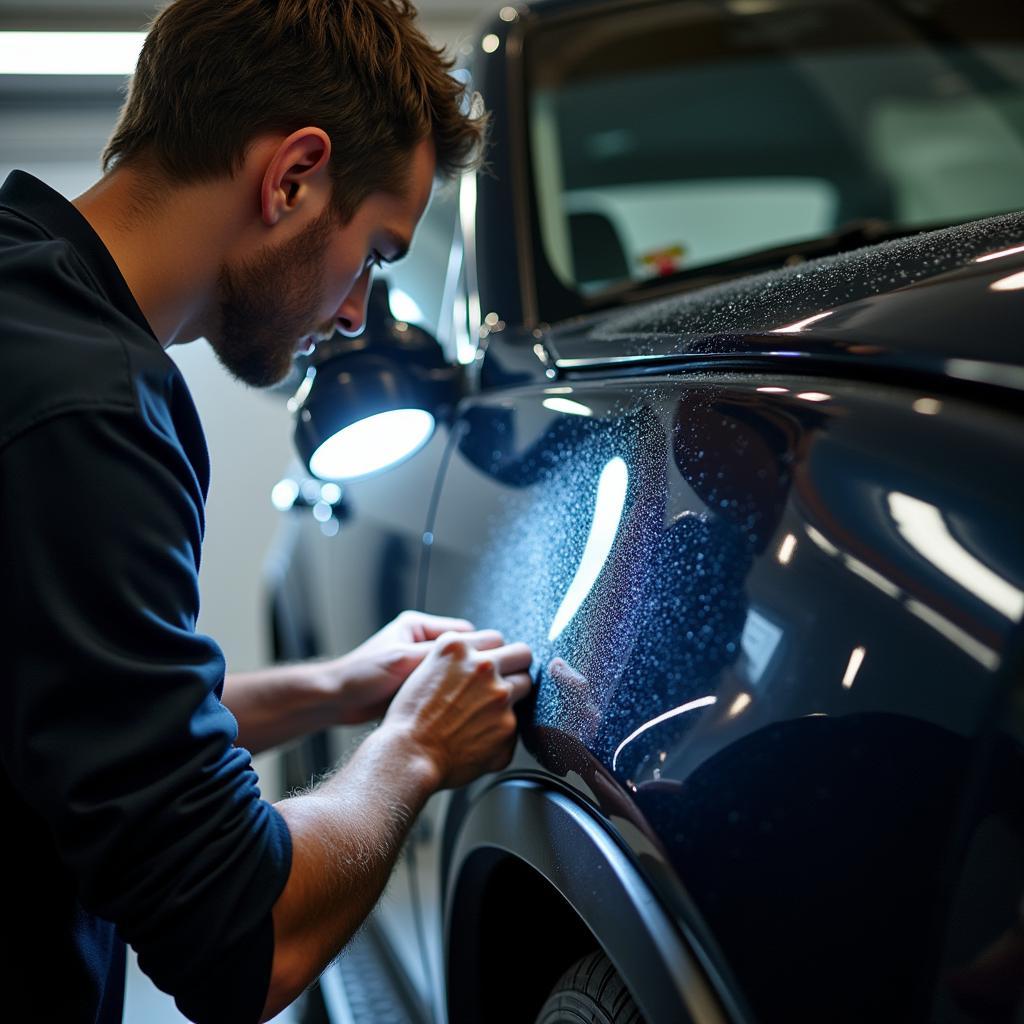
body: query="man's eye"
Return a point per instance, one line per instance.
(374, 259)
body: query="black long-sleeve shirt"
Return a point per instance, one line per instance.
(130, 815)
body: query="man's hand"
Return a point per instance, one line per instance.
(279, 704)
(450, 721)
(456, 707)
(364, 680)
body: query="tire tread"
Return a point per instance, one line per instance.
(590, 992)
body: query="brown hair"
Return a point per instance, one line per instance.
(215, 74)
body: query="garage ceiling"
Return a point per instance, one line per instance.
(133, 14)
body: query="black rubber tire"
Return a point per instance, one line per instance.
(590, 992)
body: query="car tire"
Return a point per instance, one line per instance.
(590, 992)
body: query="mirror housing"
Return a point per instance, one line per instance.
(370, 402)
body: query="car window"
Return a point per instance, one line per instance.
(680, 135)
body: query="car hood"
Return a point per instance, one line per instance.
(949, 302)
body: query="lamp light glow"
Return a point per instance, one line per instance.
(372, 444)
(284, 494)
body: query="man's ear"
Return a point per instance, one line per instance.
(296, 173)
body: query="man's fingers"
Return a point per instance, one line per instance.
(434, 625)
(510, 658)
(474, 640)
(519, 686)
(416, 651)
(484, 639)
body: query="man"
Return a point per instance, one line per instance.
(268, 155)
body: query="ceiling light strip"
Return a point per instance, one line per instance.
(69, 53)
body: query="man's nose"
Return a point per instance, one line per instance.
(351, 315)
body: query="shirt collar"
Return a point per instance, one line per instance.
(35, 201)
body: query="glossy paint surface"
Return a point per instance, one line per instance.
(780, 682)
(918, 303)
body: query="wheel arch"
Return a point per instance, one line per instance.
(532, 874)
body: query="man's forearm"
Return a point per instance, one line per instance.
(346, 835)
(275, 705)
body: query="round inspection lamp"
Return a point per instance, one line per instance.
(368, 403)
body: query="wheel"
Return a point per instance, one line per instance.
(590, 992)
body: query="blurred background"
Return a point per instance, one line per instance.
(57, 108)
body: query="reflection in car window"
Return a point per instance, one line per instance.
(416, 290)
(679, 135)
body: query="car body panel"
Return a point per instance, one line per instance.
(724, 691)
(911, 304)
(559, 838)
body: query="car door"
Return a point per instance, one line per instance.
(773, 621)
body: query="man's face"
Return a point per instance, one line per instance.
(290, 295)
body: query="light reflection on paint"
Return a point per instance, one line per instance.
(1011, 283)
(758, 641)
(922, 526)
(693, 705)
(739, 705)
(801, 324)
(981, 653)
(821, 540)
(786, 549)
(567, 405)
(467, 333)
(611, 499)
(999, 255)
(853, 667)
(927, 406)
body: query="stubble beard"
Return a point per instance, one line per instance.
(268, 303)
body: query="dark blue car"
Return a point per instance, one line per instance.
(726, 345)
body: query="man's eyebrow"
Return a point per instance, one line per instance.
(399, 247)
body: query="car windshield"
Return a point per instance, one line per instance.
(675, 136)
